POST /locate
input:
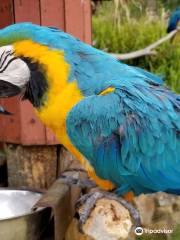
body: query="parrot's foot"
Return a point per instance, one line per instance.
(82, 183)
(89, 201)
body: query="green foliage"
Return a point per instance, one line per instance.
(122, 29)
(152, 237)
(176, 233)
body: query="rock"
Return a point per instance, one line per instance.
(164, 199)
(146, 206)
(159, 211)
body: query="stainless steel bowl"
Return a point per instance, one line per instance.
(17, 220)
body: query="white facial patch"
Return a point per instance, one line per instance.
(13, 69)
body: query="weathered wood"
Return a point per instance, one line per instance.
(31, 166)
(109, 220)
(74, 10)
(87, 22)
(53, 14)
(12, 132)
(73, 232)
(67, 161)
(6, 13)
(59, 199)
(32, 129)
(27, 11)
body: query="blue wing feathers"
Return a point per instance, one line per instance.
(151, 78)
(142, 141)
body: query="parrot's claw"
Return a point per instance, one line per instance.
(89, 201)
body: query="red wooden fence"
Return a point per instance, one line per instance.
(73, 16)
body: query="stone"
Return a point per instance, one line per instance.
(146, 207)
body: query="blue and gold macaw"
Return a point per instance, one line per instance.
(121, 122)
(174, 22)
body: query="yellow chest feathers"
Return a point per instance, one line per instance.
(57, 107)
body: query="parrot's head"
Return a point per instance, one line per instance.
(21, 74)
(31, 62)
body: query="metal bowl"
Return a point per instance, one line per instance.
(17, 220)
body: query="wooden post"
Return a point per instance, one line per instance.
(108, 220)
(32, 166)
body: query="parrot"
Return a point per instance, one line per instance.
(174, 22)
(121, 122)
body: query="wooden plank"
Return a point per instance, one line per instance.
(31, 166)
(50, 137)
(32, 130)
(27, 11)
(61, 199)
(11, 124)
(6, 13)
(87, 21)
(74, 18)
(52, 14)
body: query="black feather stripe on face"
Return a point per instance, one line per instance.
(37, 85)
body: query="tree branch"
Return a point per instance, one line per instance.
(147, 50)
(108, 220)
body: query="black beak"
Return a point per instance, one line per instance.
(8, 89)
(3, 111)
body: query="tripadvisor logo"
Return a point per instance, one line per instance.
(139, 231)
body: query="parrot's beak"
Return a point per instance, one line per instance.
(8, 89)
